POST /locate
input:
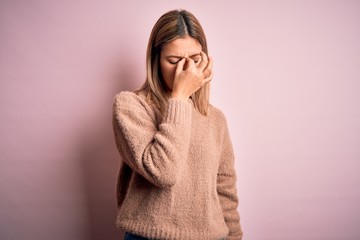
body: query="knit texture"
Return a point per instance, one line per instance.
(177, 178)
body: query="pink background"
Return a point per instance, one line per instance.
(287, 76)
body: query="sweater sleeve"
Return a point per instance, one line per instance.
(226, 188)
(155, 152)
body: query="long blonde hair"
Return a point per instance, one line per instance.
(170, 26)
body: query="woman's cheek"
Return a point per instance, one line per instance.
(168, 74)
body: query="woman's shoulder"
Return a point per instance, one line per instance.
(130, 99)
(217, 114)
(134, 103)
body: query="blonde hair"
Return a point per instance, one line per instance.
(170, 26)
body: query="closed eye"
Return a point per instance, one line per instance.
(174, 62)
(196, 59)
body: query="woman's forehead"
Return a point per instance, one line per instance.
(182, 47)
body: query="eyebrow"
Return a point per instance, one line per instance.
(174, 56)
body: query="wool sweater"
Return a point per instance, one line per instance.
(177, 178)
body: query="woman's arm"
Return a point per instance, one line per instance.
(226, 188)
(155, 152)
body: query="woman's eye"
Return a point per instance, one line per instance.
(174, 62)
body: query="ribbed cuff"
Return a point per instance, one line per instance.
(178, 111)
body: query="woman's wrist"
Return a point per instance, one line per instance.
(179, 96)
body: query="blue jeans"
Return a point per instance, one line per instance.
(130, 236)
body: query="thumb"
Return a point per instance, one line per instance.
(180, 65)
(191, 63)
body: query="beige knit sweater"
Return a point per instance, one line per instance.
(177, 178)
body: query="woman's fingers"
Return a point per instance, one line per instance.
(189, 76)
(208, 79)
(208, 70)
(191, 63)
(208, 73)
(180, 66)
(204, 61)
(211, 62)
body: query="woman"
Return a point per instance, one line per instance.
(177, 178)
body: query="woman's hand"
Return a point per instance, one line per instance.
(190, 77)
